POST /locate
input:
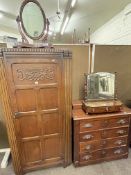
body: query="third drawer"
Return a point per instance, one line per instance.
(100, 144)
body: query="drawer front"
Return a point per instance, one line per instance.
(105, 153)
(110, 133)
(103, 134)
(100, 144)
(90, 156)
(117, 151)
(89, 146)
(87, 125)
(117, 122)
(113, 152)
(90, 136)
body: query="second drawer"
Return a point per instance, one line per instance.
(103, 134)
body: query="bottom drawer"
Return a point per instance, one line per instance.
(105, 153)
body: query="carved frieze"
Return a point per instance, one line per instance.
(36, 74)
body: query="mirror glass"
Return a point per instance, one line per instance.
(100, 86)
(33, 20)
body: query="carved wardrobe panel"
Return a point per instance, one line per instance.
(38, 81)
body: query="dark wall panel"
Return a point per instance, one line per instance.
(116, 59)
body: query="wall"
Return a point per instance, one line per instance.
(5, 31)
(116, 31)
(80, 55)
(116, 59)
(3, 132)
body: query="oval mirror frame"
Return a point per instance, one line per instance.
(25, 2)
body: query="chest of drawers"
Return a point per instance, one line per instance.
(101, 137)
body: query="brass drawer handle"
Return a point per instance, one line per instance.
(118, 151)
(87, 137)
(107, 109)
(103, 143)
(121, 132)
(122, 121)
(87, 157)
(119, 142)
(88, 125)
(103, 152)
(88, 147)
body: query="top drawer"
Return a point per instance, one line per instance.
(87, 125)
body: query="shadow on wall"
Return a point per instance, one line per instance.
(3, 132)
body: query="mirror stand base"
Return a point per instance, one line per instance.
(97, 107)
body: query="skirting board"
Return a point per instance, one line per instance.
(4, 162)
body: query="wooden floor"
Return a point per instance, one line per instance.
(118, 167)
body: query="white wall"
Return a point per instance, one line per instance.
(5, 31)
(116, 31)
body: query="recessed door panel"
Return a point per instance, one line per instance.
(49, 98)
(29, 126)
(32, 153)
(26, 100)
(52, 147)
(52, 123)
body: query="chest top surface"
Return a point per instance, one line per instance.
(79, 114)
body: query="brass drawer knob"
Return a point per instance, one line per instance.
(121, 132)
(88, 147)
(103, 152)
(88, 125)
(122, 121)
(104, 142)
(119, 142)
(107, 109)
(87, 137)
(118, 151)
(87, 157)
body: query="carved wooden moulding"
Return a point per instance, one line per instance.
(36, 74)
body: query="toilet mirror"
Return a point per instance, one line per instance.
(32, 22)
(100, 86)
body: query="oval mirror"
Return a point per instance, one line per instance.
(33, 19)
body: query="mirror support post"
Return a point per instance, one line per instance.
(115, 95)
(24, 40)
(93, 58)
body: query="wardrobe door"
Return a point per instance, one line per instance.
(35, 87)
